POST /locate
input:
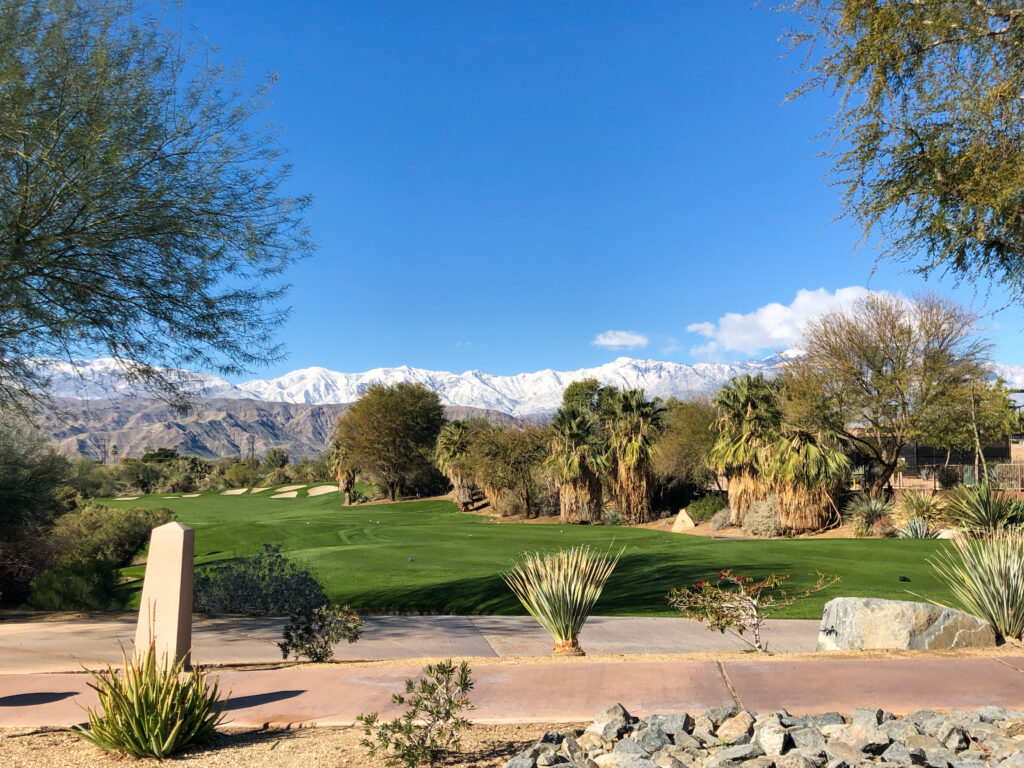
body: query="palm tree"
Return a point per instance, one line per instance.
(806, 470)
(452, 458)
(344, 470)
(749, 422)
(635, 422)
(576, 456)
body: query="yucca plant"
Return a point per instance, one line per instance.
(986, 576)
(150, 708)
(981, 508)
(866, 513)
(921, 504)
(917, 528)
(559, 589)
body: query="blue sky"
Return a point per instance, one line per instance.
(498, 184)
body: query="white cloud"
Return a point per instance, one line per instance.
(773, 326)
(620, 340)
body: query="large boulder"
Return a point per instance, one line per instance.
(858, 623)
(683, 522)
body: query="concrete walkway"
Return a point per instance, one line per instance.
(571, 690)
(67, 646)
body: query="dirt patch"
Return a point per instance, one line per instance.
(487, 746)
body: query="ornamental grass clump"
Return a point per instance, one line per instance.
(559, 590)
(982, 509)
(151, 708)
(986, 576)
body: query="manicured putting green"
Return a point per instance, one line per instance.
(426, 557)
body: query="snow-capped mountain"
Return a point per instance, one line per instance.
(524, 394)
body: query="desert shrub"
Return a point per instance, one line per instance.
(139, 476)
(610, 516)
(884, 528)
(152, 709)
(721, 520)
(762, 519)
(96, 532)
(981, 508)
(77, 585)
(869, 515)
(986, 576)
(706, 507)
(278, 476)
(240, 475)
(264, 584)
(950, 477)
(917, 528)
(559, 589)
(432, 725)
(313, 635)
(921, 504)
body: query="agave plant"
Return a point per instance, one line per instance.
(559, 590)
(986, 576)
(981, 508)
(151, 708)
(867, 512)
(917, 528)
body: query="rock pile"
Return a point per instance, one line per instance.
(728, 737)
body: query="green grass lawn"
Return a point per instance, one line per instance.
(362, 555)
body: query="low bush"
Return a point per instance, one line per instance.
(77, 585)
(313, 635)
(265, 584)
(950, 477)
(705, 507)
(279, 476)
(96, 532)
(431, 727)
(986, 576)
(917, 528)
(610, 516)
(559, 589)
(762, 519)
(921, 504)
(721, 520)
(152, 708)
(871, 516)
(981, 508)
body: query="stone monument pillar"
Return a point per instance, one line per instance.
(165, 611)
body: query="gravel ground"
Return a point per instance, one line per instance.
(485, 746)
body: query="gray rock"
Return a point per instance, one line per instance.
(1015, 760)
(637, 762)
(829, 718)
(897, 754)
(521, 761)
(704, 723)
(667, 761)
(841, 752)
(992, 714)
(866, 718)
(550, 758)
(807, 738)
(816, 757)
(671, 724)
(630, 747)
(552, 737)
(611, 723)
(920, 717)
(720, 762)
(685, 741)
(858, 623)
(759, 762)
(741, 752)
(793, 760)
(704, 738)
(899, 730)
(737, 729)
(651, 738)
(571, 749)
(719, 715)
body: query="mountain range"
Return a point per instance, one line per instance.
(296, 411)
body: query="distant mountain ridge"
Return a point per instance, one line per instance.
(521, 395)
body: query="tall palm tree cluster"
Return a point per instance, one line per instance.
(762, 453)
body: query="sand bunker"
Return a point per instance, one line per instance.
(234, 492)
(286, 488)
(320, 490)
(257, 490)
(189, 495)
(286, 495)
(126, 498)
(172, 497)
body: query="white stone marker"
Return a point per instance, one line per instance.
(165, 611)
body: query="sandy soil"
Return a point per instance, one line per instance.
(320, 490)
(125, 498)
(234, 492)
(257, 490)
(286, 488)
(190, 495)
(285, 495)
(487, 746)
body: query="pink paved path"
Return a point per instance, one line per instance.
(574, 690)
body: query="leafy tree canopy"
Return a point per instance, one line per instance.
(141, 211)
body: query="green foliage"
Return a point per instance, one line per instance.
(868, 513)
(152, 708)
(279, 476)
(97, 532)
(505, 463)
(160, 455)
(683, 446)
(706, 507)
(391, 432)
(560, 589)
(158, 269)
(241, 475)
(30, 471)
(432, 725)
(762, 520)
(928, 136)
(633, 427)
(986, 577)
(981, 508)
(738, 603)
(77, 585)
(276, 458)
(452, 457)
(950, 477)
(313, 634)
(264, 584)
(922, 504)
(577, 458)
(917, 528)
